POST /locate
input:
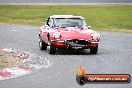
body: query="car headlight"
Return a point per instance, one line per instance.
(95, 36)
(57, 35)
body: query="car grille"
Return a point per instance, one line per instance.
(77, 42)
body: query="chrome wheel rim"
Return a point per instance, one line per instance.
(40, 43)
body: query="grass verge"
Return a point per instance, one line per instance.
(101, 18)
(8, 60)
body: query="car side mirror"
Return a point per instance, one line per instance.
(89, 27)
(46, 27)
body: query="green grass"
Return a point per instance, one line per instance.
(102, 18)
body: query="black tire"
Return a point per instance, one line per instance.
(42, 45)
(94, 50)
(52, 49)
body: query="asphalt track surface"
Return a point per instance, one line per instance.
(114, 56)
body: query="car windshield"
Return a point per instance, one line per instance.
(68, 22)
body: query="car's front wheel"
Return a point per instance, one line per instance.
(94, 50)
(42, 45)
(52, 49)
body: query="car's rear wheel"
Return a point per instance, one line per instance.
(94, 50)
(52, 49)
(42, 45)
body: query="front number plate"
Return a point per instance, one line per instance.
(77, 47)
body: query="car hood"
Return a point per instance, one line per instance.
(75, 33)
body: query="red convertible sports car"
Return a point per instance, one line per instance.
(67, 32)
